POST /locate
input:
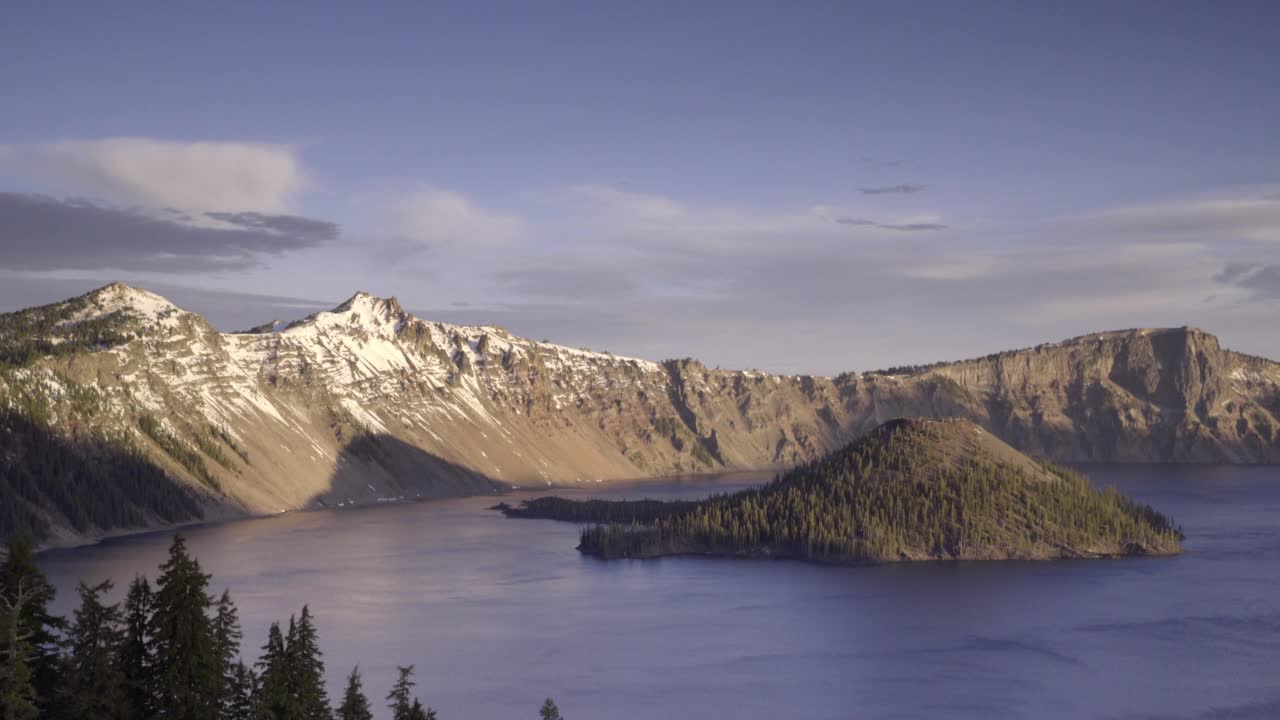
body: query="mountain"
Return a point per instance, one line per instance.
(908, 490)
(367, 403)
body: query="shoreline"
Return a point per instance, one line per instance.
(72, 541)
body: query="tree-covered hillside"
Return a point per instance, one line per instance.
(53, 331)
(90, 485)
(910, 490)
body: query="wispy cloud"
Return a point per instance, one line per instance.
(903, 189)
(201, 176)
(902, 227)
(1233, 271)
(879, 162)
(1225, 217)
(1262, 281)
(443, 218)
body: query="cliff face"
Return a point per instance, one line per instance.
(1137, 396)
(368, 403)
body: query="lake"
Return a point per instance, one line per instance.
(497, 614)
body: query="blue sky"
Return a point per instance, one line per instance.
(802, 187)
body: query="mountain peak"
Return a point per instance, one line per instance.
(119, 297)
(359, 309)
(362, 299)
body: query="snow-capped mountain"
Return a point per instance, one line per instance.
(367, 403)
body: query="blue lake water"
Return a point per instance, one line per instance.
(496, 614)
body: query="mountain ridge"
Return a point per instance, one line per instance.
(492, 410)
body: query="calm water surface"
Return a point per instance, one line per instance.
(496, 614)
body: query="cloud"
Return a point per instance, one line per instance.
(193, 176)
(903, 189)
(569, 282)
(654, 224)
(1240, 216)
(902, 227)
(278, 225)
(42, 233)
(599, 217)
(442, 218)
(957, 267)
(603, 199)
(787, 290)
(1262, 281)
(880, 163)
(794, 289)
(1233, 271)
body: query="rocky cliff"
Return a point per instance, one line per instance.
(368, 403)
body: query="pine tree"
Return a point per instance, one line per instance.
(239, 693)
(135, 656)
(272, 700)
(94, 685)
(19, 574)
(187, 672)
(400, 699)
(355, 706)
(549, 711)
(417, 712)
(306, 670)
(226, 642)
(17, 692)
(402, 703)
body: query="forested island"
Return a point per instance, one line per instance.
(171, 650)
(909, 490)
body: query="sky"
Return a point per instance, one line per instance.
(800, 187)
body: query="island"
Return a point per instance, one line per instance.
(909, 490)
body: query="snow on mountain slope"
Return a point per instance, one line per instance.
(367, 403)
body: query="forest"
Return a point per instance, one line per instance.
(168, 650)
(910, 490)
(38, 332)
(93, 483)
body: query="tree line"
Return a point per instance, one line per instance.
(49, 330)
(168, 651)
(596, 511)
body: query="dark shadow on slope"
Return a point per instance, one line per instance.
(379, 468)
(48, 481)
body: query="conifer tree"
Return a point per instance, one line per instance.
(400, 699)
(187, 671)
(417, 712)
(94, 684)
(39, 630)
(135, 656)
(306, 670)
(272, 699)
(355, 706)
(17, 692)
(239, 693)
(549, 711)
(226, 641)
